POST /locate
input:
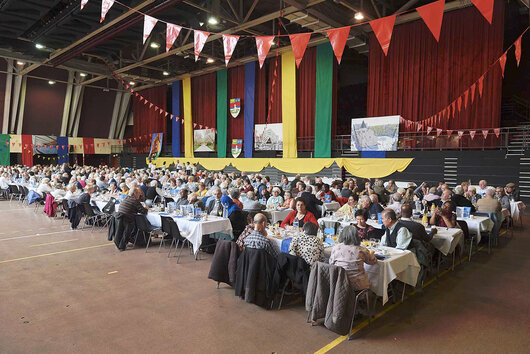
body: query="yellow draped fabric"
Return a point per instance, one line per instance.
(365, 168)
(188, 124)
(289, 105)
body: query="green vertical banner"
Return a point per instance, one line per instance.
(4, 150)
(222, 112)
(323, 100)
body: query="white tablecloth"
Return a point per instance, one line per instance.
(514, 210)
(276, 215)
(195, 229)
(446, 240)
(401, 265)
(478, 224)
(330, 222)
(331, 206)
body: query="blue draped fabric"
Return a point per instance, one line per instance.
(62, 151)
(175, 125)
(250, 84)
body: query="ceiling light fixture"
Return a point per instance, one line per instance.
(39, 46)
(165, 73)
(154, 45)
(358, 16)
(210, 60)
(20, 62)
(213, 21)
(82, 74)
(51, 82)
(132, 83)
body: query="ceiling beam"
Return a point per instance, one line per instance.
(356, 9)
(407, 6)
(188, 46)
(314, 13)
(101, 29)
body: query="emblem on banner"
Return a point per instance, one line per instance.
(235, 106)
(237, 146)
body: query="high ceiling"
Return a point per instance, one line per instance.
(75, 39)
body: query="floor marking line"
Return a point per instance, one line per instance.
(35, 235)
(53, 243)
(113, 272)
(54, 253)
(363, 324)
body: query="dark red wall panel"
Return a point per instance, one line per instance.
(96, 113)
(3, 67)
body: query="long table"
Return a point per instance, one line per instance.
(194, 230)
(478, 224)
(276, 215)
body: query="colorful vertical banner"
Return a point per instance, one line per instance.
(175, 121)
(222, 112)
(27, 150)
(156, 146)
(250, 90)
(323, 100)
(289, 105)
(188, 123)
(5, 147)
(63, 149)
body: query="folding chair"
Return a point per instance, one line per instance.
(144, 226)
(170, 227)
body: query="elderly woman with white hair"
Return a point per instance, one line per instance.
(276, 199)
(44, 187)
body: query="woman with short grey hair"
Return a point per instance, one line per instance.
(307, 245)
(351, 256)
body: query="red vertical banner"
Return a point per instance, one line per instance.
(88, 146)
(27, 150)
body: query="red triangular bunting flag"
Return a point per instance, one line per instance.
(338, 38)
(472, 134)
(97, 144)
(453, 105)
(173, 116)
(199, 40)
(466, 95)
(429, 129)
(134, 138)
(263, 45)
(480, 85)
(299, 44)
(473, 92)
(83, 3)
(182, 121)
(229, 44)
(194, 125)
(485, 7)
(418, 127)
(200, 126)
(172, 32)
(145, 101)
(149, 24)
(485, 133)
(167, 113)
(438, 131)
(497, 131)
(136, 94)
(518, 50)
(432, 14)
(151, 105)
(105, 7)
(459, 103)
(502, 63)
(460, 133)
(383, 28)
(449, 132)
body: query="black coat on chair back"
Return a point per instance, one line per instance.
(255, 268)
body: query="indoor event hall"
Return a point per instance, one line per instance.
(264, 176)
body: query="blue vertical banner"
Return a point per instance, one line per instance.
(175, 124)
(63, 150)
(250, 89)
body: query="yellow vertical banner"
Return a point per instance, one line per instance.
(188, 124)
(289, 105)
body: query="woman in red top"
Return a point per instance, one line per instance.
(445, 217)
(300, 214)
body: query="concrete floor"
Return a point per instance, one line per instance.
(57, 296)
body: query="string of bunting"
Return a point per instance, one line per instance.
(467, 97)
(432, 15)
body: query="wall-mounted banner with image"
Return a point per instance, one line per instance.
(204, 140)
(237, 146)
(235, 106)
(375, 133)
(268, 136)
(156, 145)
(44, 145)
